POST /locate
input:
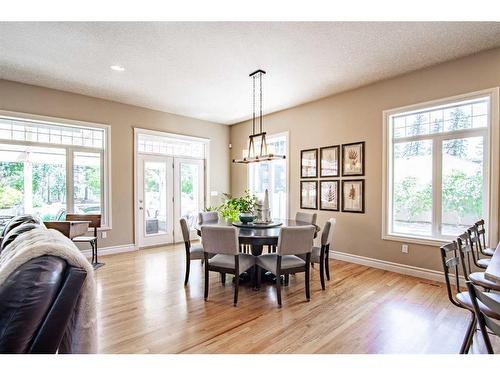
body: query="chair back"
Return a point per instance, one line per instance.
(481, 233)
(209, 216)
(475, 243)
(451, 261)
(184, 229)
(218, 239)
(306, 217)
(327, 235)
(296, 240)
(95, 220)
(477, 295)
(466, 255)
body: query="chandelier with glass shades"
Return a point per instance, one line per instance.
(260, 137)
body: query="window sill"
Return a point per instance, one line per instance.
(415, 240)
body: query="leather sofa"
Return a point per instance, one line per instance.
(37, 299)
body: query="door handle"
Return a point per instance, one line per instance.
(140, 208)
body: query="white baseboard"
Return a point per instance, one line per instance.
(111, 250)
(404, 269)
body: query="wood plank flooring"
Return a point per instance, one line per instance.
(143, 307)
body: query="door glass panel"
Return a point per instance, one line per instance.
(190, 192)
(463, 184)
(155, 197)
(87, 182)
(412, 189)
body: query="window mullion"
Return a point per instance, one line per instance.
(437, 179)
(70, 207)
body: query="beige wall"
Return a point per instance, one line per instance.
(122, 118)
(357, 116)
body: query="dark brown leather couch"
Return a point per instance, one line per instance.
(37, 300)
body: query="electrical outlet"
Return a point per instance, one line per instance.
(404, 248)
(104, 234)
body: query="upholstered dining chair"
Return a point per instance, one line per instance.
(319, 254)
(292, 243)
(306, 217)
(451, 265)
(483, 303)
(193, 252)
(208, 216)
(481, 232)
(466, 258)
(475, 245)
(221, 252)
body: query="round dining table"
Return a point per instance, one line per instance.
(257, 236)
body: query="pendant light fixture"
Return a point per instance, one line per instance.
(262, 155)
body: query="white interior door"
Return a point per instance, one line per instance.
(189, 192)
(155, 199)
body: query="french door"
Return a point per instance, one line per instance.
(167, 189)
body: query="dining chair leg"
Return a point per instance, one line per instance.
(278, 289)
(486, 338)
(188, 266)
(236, 287)
(327, 265)
(466, 343)
(286, 280)
(308, 291)
(93, 252)
(206, 279)
(322, 271)
(223, 278)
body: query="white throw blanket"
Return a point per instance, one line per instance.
(80, 335)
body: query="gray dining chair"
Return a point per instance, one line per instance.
(487, 311)
(319, 254)
(221, 249)
(292, 242)
(193, 252)
(306, 217)
(208, 216)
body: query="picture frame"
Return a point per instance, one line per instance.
(353, 196)
(309, 195)
(353, 159)
(309, 163)
(329, 195)
(329, 161)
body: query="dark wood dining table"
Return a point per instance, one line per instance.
(258, 237)
(492, 272)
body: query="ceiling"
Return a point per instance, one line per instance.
(200, 69)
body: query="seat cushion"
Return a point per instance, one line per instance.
(489, 251)
(464, 299)
(483, 263)
(268, 262)
(479, 279)
(196, 252)
(246, 261)
(315, 254)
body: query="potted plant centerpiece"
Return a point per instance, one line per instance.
(242, 208)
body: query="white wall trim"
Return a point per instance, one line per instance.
(111, 250)
(404, 269)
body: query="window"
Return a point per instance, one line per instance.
(271, 175)
(437, 170)
(49, 168)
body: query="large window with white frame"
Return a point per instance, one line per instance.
(438, 161)
(271, 175)
(49, 167)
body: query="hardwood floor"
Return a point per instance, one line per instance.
(143, 307)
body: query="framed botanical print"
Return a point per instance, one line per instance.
(309, 163)
(353, 196)
(329, 161)
(353, 159)
(309, 195)
(329, 195)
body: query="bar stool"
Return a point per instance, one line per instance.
(481, 231)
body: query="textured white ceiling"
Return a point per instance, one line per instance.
(201, 69)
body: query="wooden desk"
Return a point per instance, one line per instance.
(70, 229)
(492, 273)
